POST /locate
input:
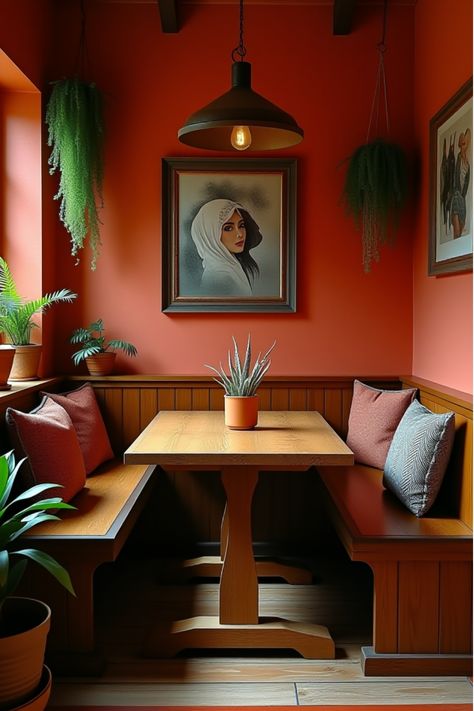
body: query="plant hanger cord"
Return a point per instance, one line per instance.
(82, 60)
(380, 82)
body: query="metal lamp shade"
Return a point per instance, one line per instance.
(211, 126)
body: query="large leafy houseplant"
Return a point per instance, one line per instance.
(76, 133)
(18, 515)
(24, 622)
(16, 314)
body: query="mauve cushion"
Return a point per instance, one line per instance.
(373, 419)
(81, 406)
(46, 436)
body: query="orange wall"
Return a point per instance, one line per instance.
(346, 321)
(442, 306)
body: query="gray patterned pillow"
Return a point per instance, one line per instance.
(418, 457)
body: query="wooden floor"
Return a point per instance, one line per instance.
(130, 597)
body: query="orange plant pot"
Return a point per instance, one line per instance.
(240, 413)
(101, 363)
(25, 627)
(26, 362)
(7, 354)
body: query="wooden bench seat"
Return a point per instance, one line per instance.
(94, 533)
(422, 567)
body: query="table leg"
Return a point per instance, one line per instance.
(238, 590)
(224, 535)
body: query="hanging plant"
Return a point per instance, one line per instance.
(75, 132)
(375, 190)
(376, 182)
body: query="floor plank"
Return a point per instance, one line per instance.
(129, 597)
(429, 691)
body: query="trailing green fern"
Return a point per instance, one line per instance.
(374, 192)
(76, 132)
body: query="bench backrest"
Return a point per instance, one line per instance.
(456, 491)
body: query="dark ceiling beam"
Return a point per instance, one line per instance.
(343, 15)
(168, 15)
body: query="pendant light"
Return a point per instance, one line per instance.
(240, 119)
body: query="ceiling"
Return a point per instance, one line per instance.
(343, 14)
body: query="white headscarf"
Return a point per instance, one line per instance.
(206, 232)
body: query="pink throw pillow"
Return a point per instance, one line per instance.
(46, 436)
(81, 406)
(373, 419)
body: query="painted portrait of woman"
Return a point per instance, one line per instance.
(228, 235)
(224, 234)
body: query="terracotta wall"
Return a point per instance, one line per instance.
(346, 321)
(442, 306)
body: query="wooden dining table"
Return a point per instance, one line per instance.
(200, 441)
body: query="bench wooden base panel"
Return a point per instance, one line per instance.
(311, 641)
(210, 566)
(67, 663)
(374, 664)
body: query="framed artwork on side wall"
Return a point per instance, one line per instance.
(451, 214)
(229, 235)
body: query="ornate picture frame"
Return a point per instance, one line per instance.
(229, 235)
(451, 215)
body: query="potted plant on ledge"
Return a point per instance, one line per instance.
(24, 622)
(240, 385)
(98, 354)
(16, 322)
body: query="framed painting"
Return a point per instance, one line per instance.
(229, 234)
(451, 218)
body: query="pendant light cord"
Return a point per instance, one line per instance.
(380, 82)
(239, 52)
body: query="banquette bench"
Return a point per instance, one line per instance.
(422, 567)
(94, 533)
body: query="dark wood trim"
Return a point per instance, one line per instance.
(168, 15)
(374, 664)
(343, 16)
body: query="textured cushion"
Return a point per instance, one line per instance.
(418, 457)
(81, 406)
(46, 436)
(373, 419)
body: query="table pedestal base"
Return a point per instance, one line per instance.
(210, 566)
(311, 641)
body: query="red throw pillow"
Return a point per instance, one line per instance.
(373, 419)
(81, 406)
(46, 436)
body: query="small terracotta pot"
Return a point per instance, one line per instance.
(6, 361)
(240, 413)
(26, 362)
(22, 648)
(101, 363)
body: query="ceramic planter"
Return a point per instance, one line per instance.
(240, 413)
(23, 636)
(101, 363)
(6, 361)
(26, 362)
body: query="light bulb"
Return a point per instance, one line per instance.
(241, 138)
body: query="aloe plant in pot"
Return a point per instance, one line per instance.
(241, 384)
(24, 622)
(98, 353)
(16, 322)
